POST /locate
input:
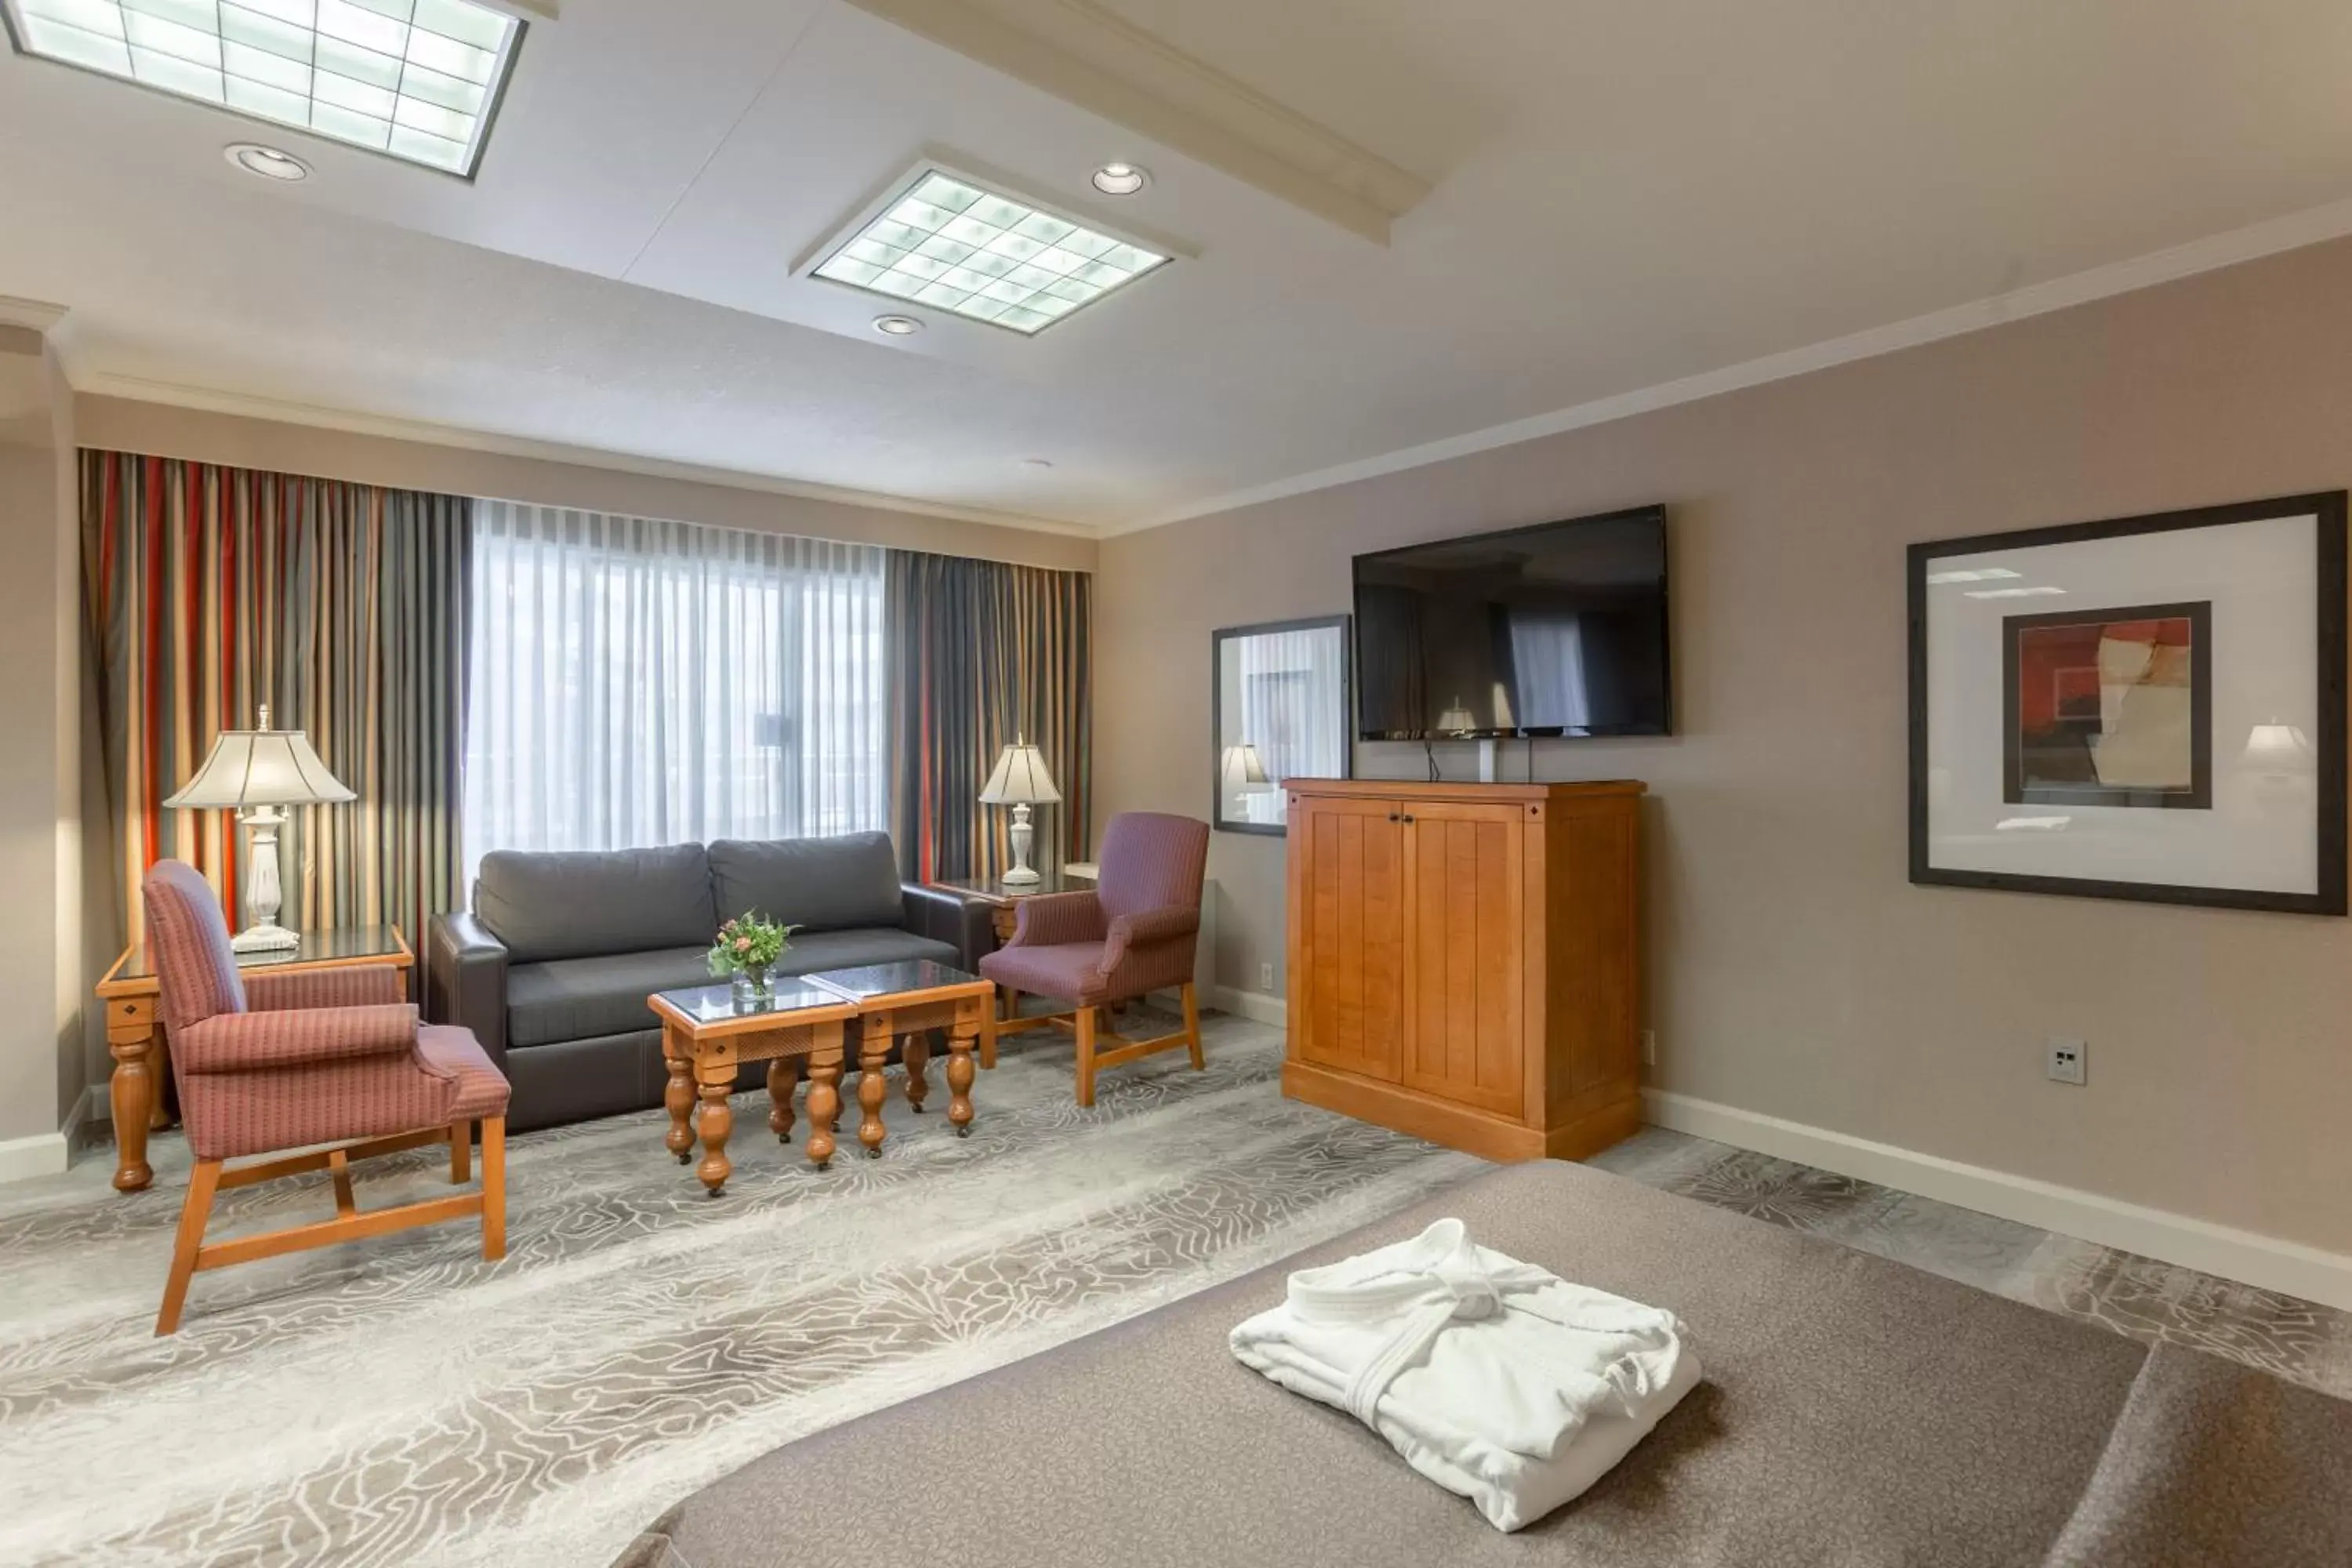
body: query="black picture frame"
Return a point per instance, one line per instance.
(2329, 739)
(1343, 625)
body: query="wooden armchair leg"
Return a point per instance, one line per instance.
(494, 1188)
(203, 1182)
(1192, 1026)
(1086, 1055)
(461, 1153)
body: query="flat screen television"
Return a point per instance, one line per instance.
(1559, 629)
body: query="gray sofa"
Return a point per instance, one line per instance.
(552, 967)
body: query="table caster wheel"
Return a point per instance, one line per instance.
(713, 1191)
(685, 1159)
(964, 1131)
(824, 1165)
(874, 1153)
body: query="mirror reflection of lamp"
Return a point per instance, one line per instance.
(1242, 772)
(1457, 718)
(2278, 751)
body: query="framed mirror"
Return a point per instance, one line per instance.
(1283, 708)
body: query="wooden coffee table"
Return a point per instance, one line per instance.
(909, 999)
(709, 1031)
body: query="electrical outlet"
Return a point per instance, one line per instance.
(1649, 1047)
(1265, 977)
(2069, 1061)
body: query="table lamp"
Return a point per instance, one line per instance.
(1240, 773)
(258, 772)
(1019, 780)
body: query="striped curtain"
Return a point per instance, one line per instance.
(982, 654)
(209, 591)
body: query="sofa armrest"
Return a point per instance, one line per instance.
(1051, 920)
(465, 980)
(359, 985)
(255, 1042)
(1135, 933)
(945, 915)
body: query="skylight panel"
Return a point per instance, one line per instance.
(417, 79)
(948, 242)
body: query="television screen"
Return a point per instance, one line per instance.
(1559, 629)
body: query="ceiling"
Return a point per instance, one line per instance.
(1582, 200)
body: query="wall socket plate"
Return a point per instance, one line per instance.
(1649, 1048)
(1265, 978)
(2069, 1061)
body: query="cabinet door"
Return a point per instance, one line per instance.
(1465, 971)
(1348, 906)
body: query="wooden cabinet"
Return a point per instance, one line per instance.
(1464, 963)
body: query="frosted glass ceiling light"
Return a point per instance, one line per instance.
(418, 79)
(948, 242)
(1120, 179)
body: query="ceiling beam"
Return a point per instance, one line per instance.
(1082, 54)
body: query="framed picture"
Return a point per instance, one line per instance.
(2146, 708)
(1282, 708)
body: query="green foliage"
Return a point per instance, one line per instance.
(748, 942)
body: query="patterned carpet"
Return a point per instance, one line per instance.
(400, 1403)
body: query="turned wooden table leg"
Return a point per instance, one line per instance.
(875, 1051)
(131, 1094)
(825, 1094)
(678, 1097)
(960, 1040)
(717, 1079)
(915, 1051)
(783, 1078)
(159, 1064)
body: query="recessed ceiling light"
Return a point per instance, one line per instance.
(418, 79)
(266, 161)
(898, 326)
(1121, 179)
(948, 241)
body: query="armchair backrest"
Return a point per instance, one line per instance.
(1150, 860)
(188, 937)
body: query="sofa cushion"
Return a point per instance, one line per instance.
(577, 905)
(813, 953)
(580, 998)
(817, 884)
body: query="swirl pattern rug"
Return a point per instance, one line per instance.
(399, 1402)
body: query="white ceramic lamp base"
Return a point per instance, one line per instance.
(1021, 833)
(265, 934)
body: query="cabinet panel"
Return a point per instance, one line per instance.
(1351, 914)
(1465, 960)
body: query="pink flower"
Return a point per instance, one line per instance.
(743, 944)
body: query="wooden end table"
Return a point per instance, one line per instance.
(135, 1033)
(709, 1031)
(905, 1001)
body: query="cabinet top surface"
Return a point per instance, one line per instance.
(1465, 789)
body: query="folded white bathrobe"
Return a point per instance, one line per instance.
(1496, 1379)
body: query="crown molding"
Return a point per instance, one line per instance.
(175, 395)
(38, 315)
(2312, 227)
(1082, 53)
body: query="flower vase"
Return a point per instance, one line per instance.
(751, 981)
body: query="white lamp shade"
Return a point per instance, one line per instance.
(1240, 769)
(2279, 747)
(261, 767)
(1020, 779)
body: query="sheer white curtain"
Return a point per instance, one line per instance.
(639, 682)
(1293, 711)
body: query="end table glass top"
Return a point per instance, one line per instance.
(877, 980)
(1008, 892)
(722, 1000)
(344, 944)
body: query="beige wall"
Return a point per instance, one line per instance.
(43, 962)
(159, 429)
(1794, 971)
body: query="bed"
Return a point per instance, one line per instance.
(1856, 1411)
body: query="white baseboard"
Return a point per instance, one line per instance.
(1260, 1006)
(2263, 1261)
(42, 1155)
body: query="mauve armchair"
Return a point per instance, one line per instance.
(273, 1061)
(1135, 933)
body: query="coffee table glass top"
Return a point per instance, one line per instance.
(876, 980)
(719, 1003)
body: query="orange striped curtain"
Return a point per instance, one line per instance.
(210, 591)
(982, 653)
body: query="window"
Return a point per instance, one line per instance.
(637, 683)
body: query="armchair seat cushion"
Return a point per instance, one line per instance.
(450, 1052)
(1071, 971)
